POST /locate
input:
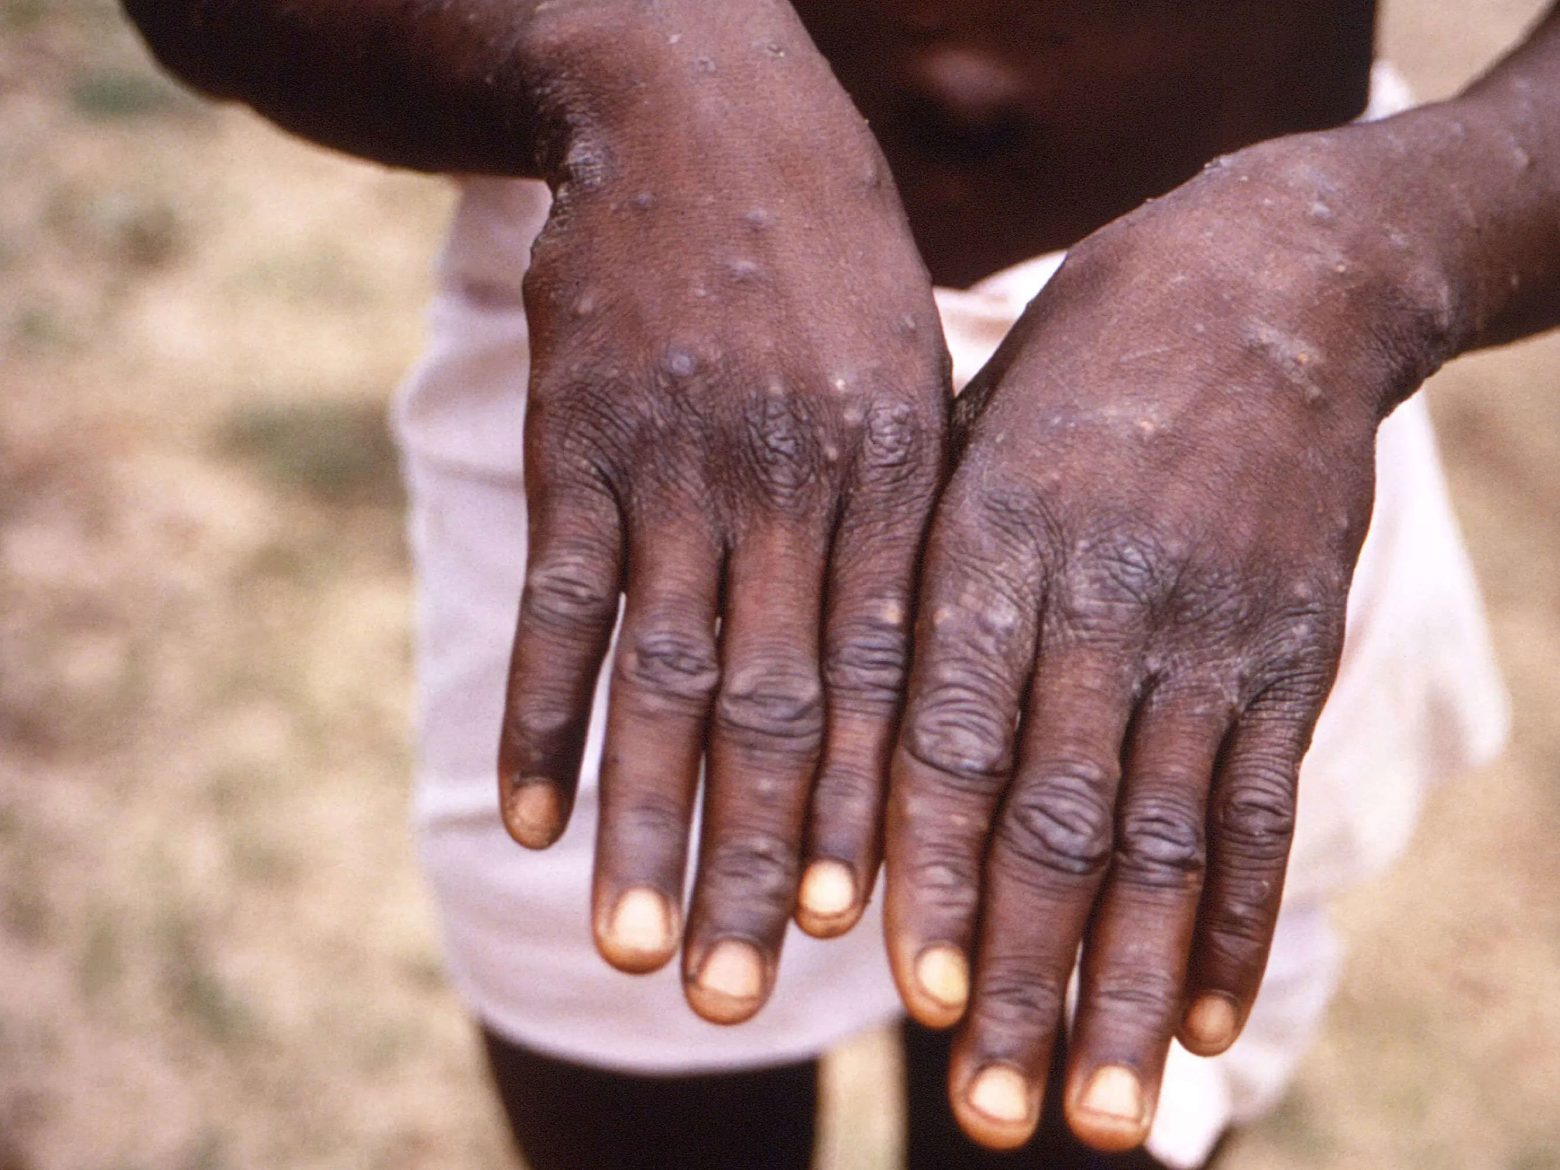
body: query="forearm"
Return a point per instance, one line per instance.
(1474, 184)
(477, 86)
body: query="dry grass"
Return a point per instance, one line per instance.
(214, 952)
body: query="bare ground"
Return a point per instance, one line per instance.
(214, 952)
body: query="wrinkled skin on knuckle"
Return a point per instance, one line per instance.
(899, 448)
(1125, 560)
(1012, 520)
(779, 451)
(1214, 605)
(866, 663)
(945, 881)
(1015, 1002)
(588, 418)
(670, 665)
(759, 865)
(1061, 826)
(570, 592)
(1296, 658)
(848, 795)
(957, 730)
(645, 825)
(1255, 817)
(1160, 844)
(531, 726)
(1125, 996)
(771, 707)
(1234, 932)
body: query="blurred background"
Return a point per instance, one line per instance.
(214, 952)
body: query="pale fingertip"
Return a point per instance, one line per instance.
(942, 978)
(1111, 1113)
(533, 813)
(729, 985)
(641, 933)
(1211, 1024)
(1001, 1108)
(826, 902)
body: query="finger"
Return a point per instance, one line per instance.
(663, 680)
(567, 610)
(1135, 956)
(1250, 826)
(764, 741)
(1048, 856)
(975, 638)
(866, 648)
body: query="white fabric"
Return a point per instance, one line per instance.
(1418, 698)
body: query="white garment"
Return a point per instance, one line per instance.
(1417, 698)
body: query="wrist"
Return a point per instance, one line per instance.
(681, 89)
(1370, 248)
(1466, 192)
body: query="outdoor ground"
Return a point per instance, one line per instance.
(214, 951)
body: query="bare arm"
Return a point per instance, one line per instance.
(1481, 173)
(499, 87)
(435, 86)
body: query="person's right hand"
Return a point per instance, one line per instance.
(736, 420)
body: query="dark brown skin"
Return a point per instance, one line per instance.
(1131, 602)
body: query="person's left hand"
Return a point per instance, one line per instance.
(1131, 611)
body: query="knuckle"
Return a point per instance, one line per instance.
(771, 706)
(1235, 930)
(845, 795)
(1217, 602)
(671, 664)
(647, 822)
(1136, 993)
(1161, 843)
(1016, 1002)
(1064, 824)
(534, 725)
(1011, 511)
(895, 443)
(867, 660)
(760, 865)
(780, 450)
(566, 591)
(1255, 817)
(1299, 650)
(575, 422)
(1119, 564)
(946, 883)
(957, 731)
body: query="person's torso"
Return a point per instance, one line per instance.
(1015, 127)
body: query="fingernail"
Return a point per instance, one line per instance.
(640, 930)
(828, 889)
(1000, 1093)
(1114, 1092)
(730, 982)
(943, 975)
(1211, 1023)
(533, 812)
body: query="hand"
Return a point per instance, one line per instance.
(736, 420)
(1130, 614)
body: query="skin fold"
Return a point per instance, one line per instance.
(1082, 677)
